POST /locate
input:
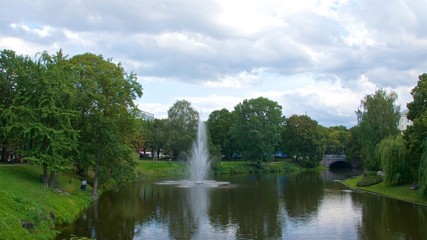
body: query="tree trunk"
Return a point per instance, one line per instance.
(53, 181)
(45, 176)
(96, 178)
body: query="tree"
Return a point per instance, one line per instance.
(336, 140)
(14, 72)
(219, 124)
(44, 113)
(257, 128)
(353, 146)
(392, 153)
(301, 138)
(107, 119)
(182, 127)
(416, 134)
(159, 135)
(378, 118)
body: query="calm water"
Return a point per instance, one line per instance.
(309, 205)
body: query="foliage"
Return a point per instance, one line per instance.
(336, 140)
(378, 118)
(353, 146)
(369, 181)
(301, 138)
(219, 124)
(43, 115)
(181, 127)
(257, 128)
(107, 119)
(393, 154)
(423, 171)
(416, 134)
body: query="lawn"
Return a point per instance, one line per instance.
(31, 211)
(402, 192)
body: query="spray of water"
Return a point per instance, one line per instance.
(199, 159)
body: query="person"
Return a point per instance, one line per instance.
(83, 186)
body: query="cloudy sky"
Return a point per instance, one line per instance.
(314, 57)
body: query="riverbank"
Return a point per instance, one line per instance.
(31, 211)
(402, 192)
(148, 169)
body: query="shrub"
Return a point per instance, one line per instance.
(369, 181)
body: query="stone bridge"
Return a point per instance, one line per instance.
(336, 161)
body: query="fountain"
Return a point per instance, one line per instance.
(198, 163)
(199, 159)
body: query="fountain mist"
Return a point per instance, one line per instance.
(199, 159)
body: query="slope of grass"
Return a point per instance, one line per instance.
(31, 211)
(402, 192)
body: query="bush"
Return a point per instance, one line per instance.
(305, 163)
(369, 181)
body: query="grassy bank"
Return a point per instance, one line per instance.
(150, 169)
(31, 211)
(403, 192)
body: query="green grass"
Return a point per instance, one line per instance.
(25, 201)
(159, 169)
(402, 192)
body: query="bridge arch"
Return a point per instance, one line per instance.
(340, 164)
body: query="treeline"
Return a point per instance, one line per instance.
(255, 130)
(62, 113)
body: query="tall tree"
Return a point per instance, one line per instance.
(44, 115)
(301, 138)
(353, 146)
(378, 118)
(257, 128)
(416, 134)
(182, 127)
(15, 71)
(219, 124)
(107, 118)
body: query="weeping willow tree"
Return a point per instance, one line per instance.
(392, 153)
(423, 170)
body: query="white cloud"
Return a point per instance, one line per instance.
(319, 56)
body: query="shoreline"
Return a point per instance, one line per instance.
(402, 192)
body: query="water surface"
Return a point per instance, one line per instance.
(309, 205)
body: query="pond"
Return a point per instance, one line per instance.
(308, 205)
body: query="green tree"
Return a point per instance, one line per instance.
(159, 136)
(378, 118)
(392, 153)
(336, 140)
(108, 118)
(182, 127)
(257, 128)
(147, 134)
(416, 134)
(44, 113)
(14, 71)
(219, 124)
(301, 138)
(353, 146)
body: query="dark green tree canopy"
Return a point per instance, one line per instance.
(301, 137)
(220, 123)
(257, 128)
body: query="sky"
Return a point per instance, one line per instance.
(313, 57)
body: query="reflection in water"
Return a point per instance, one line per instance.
(309, 205)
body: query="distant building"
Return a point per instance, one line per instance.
(404, 122)
(147, 116)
